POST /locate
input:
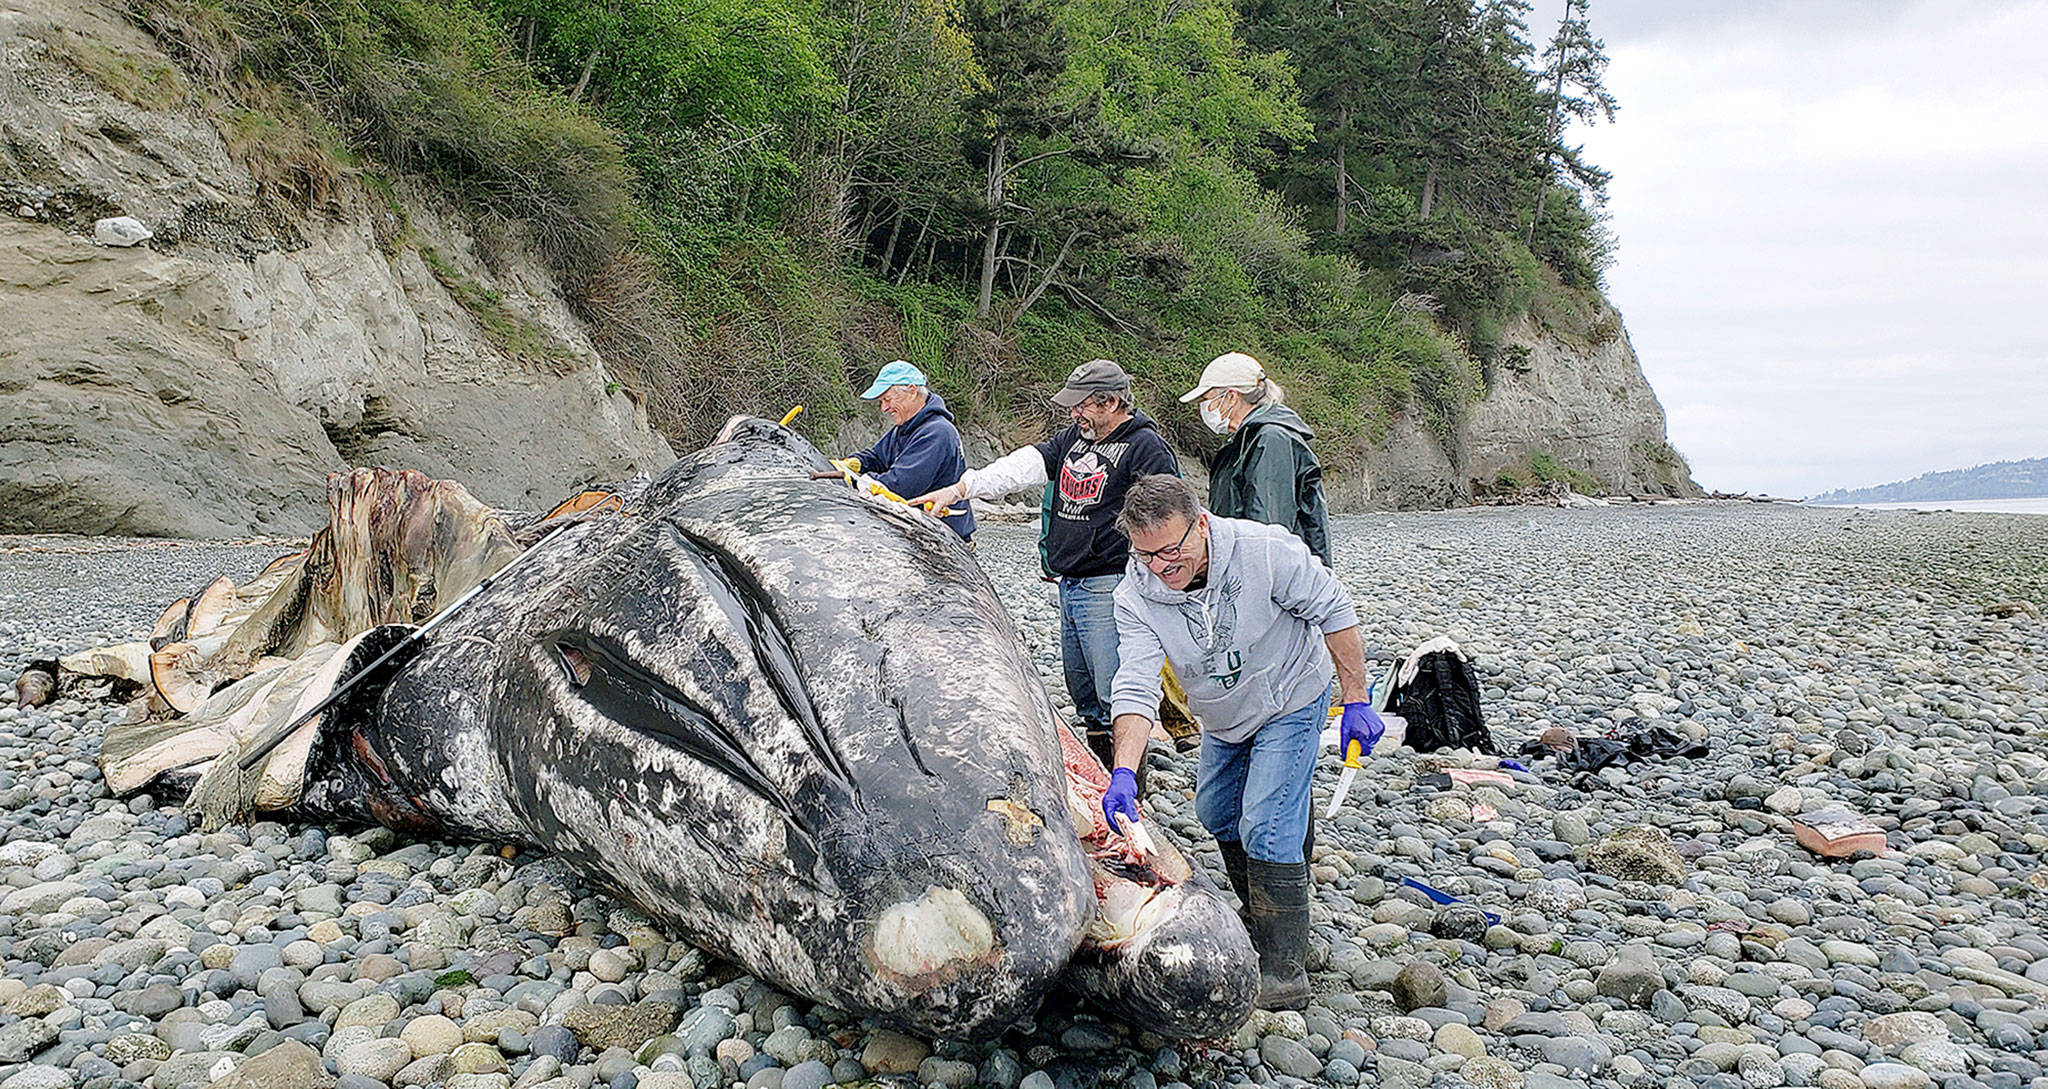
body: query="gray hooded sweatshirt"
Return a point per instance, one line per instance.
(1247, 646)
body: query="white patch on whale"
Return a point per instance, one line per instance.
(473, 778)
(922, 936)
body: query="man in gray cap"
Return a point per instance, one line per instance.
(1093, 462)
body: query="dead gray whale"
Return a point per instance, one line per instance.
(794, 724)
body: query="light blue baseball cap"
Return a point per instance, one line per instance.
(898, 373)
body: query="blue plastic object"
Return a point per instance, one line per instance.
(1442, 897)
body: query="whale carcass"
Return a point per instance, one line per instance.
(793, 723)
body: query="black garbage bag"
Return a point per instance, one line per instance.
(1440, 702)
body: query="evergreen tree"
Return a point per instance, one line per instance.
(889, 170)
(1576, 63)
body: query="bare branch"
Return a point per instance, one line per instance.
(1050, 271)
(1012, 168)
(1081, 298)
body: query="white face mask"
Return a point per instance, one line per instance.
(1214, 417)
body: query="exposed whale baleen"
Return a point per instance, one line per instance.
(795, 724)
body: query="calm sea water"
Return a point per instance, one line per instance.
(2036, 505)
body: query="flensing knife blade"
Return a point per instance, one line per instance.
(1344, 781)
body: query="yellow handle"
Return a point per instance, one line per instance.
(1352, 754)
(850, 469)
(791, 415)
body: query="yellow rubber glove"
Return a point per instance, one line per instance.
(876, 487)
(849, 468)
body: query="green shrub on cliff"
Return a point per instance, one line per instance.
(1546, 469)
(428, 86)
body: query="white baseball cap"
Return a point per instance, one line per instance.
(1231, 370)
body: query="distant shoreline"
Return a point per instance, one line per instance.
(2018, 505)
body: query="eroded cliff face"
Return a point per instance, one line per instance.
(1583, 401)
(206, 382)
(1579, 399)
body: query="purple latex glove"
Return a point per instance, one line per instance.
(1121, 797)
(1361, 724)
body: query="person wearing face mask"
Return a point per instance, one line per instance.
(1251, 623)
(922, 450)
(1093, 462)
(1265, 471)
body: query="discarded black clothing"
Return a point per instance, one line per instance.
(1634, 740)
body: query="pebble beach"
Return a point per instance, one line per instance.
(1653, 924)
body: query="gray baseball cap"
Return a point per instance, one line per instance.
(1090, 378)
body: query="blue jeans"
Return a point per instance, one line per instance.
(1088, 644)
(1257, 790)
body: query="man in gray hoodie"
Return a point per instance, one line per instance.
(1251, 621)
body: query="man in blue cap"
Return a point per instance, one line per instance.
(922, 452)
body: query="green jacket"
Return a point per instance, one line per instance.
(1267, 473)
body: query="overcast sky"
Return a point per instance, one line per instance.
(1833, 255)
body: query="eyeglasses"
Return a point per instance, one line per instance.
(1171, 552)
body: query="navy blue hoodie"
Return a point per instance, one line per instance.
(919, 455)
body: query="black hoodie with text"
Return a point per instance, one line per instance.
(1090, 477)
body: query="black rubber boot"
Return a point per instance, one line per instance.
(1278, 919)
(1235, 866)
(1236, 862)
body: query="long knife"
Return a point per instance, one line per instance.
(1350, 765)
(1344, 781)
